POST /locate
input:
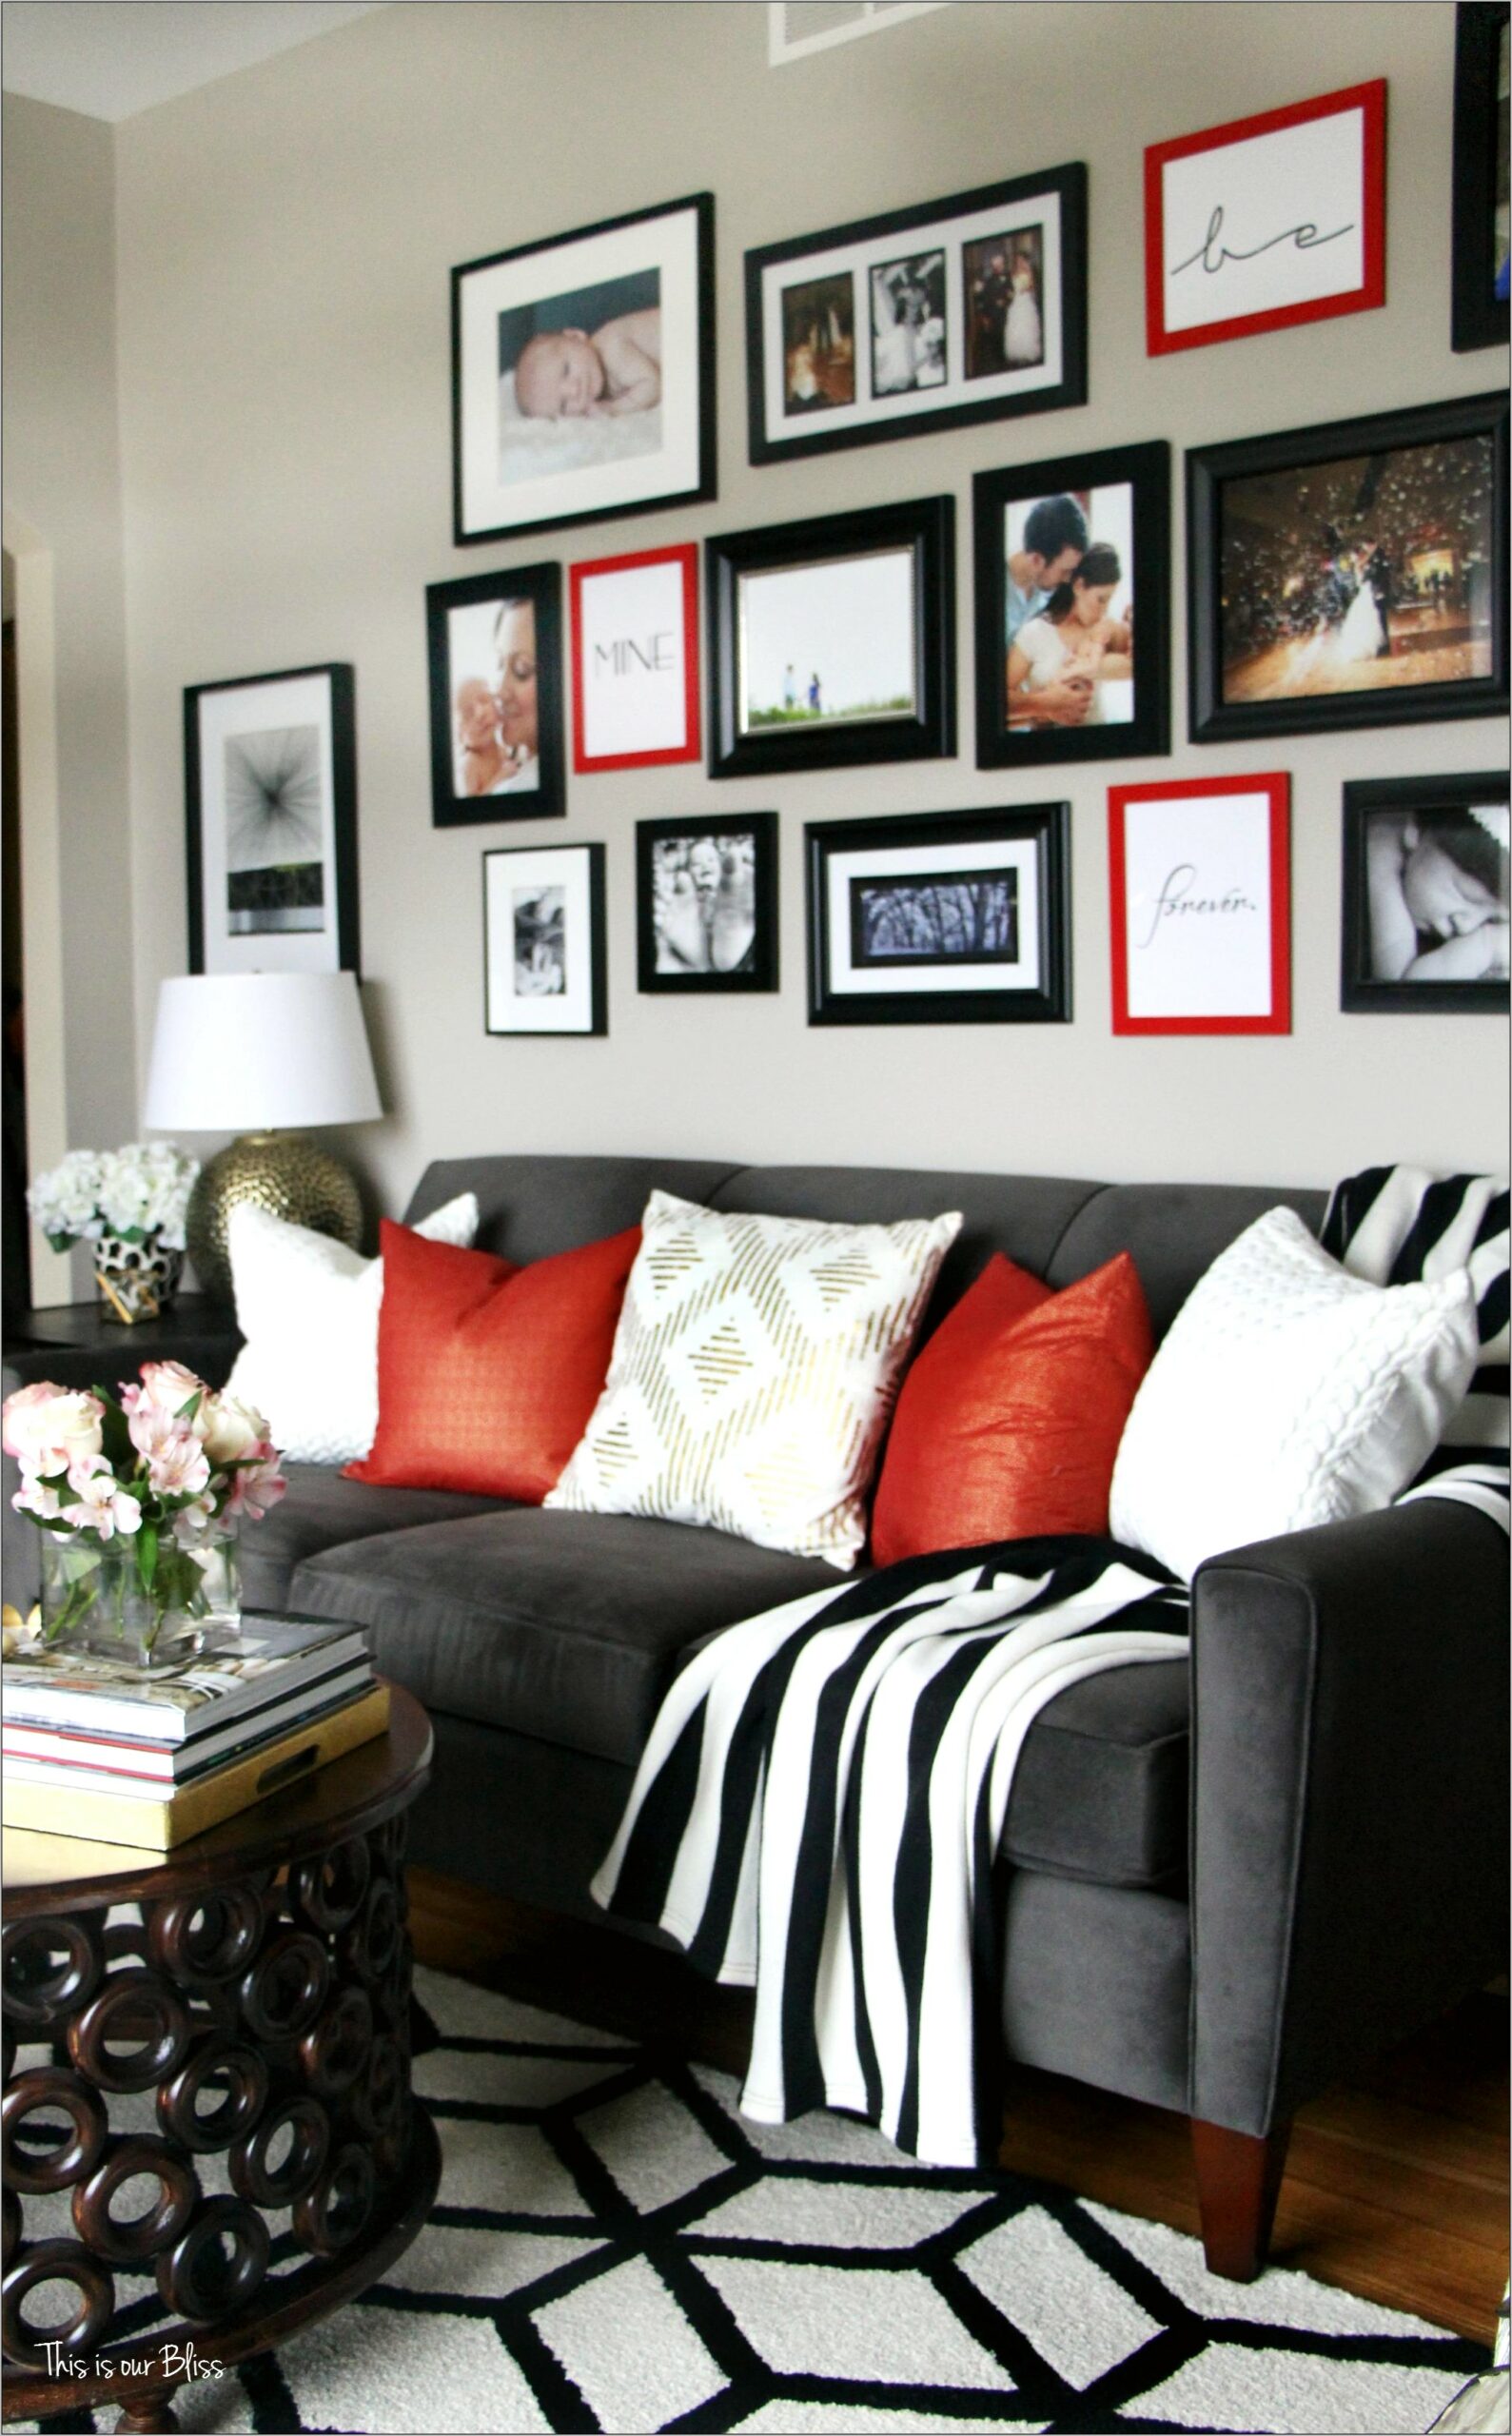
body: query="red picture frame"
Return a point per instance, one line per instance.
(635, 661)
(1232, 919)
(1279, 198)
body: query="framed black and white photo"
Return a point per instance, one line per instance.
(832, 641)
(270, 791)
(544, 968)
(1425, 905)
(582, 374)
(942, 918)
(706, 903)
(494, 648)
(1350, 576)
(1073, 608)
(1482, 218)
(950, 312)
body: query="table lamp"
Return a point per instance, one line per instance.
(259, 1052)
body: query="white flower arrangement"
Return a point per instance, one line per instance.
(140, 1194)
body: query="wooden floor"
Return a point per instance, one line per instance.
(1396, 2186)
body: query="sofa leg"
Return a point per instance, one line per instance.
(1238, 2177)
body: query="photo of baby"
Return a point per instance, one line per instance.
(1436, 894)
(540, 942)
(703, 902)
(493, 693)
(1069, 611)
(579, 378)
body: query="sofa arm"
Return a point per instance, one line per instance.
(1350, 1759)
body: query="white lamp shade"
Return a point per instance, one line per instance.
(238, 1052)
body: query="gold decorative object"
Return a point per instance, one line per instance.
(287, 1174)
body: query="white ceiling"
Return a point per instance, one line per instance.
(111, 58)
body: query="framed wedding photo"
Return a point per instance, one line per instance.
(582, 374)
(544, 968)
(493, 645)
(270, 797)
(706, 904)
(635, 661)
(1351, 575)
(1266, 221)
(1482, 218)
(1201, 905)
(948, 313)
(832, 641)
(1072, 564)
(1425, 902)
(942, 918)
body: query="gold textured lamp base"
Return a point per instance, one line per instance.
(287, 1174)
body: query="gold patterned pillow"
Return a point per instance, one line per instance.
(753, 1369)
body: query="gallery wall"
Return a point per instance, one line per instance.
(284, 239)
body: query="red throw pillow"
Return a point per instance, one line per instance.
(488, 1373)
(1010, 1419)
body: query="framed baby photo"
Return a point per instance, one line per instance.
(1266, 221)
(1201, 905)
(942, 918)
(1482, 218)
(1073, 608)
(1350, 576)
(493, 647)
(706, 904)
(545, 967)
(832, 641)
(270, 800)
(1425, 904)
(950, 312)
(582, 374)
(635, 661)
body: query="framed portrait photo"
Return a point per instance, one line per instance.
(706, 904)
(832, 641)
(942, 918)
(634, 660)
(1425, 905)
(270, 795)
(1482, 221)
(950, 312)
(1351, 575)
(493, 645)
(582, 374)
(1201, 929)
(545, 967)
(1073, 608)
(1266, 221)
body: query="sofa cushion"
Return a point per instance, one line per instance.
(322, 1510)
(1100, 1788)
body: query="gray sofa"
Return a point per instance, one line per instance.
(1218, 1894)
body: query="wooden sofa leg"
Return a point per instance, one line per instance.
(1238, 2177)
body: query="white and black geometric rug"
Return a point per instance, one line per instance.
(616, 2248)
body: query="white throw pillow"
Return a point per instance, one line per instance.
(753, 1368)
(309, 1310)
(1286, 1393)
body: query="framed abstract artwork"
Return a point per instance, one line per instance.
(706, 904)
(1482, 218)
(1426, 901)
(270, 793)
(544, 966)
(1199, 872)
(635, 661)
(493, 647)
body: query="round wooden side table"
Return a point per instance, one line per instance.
(255, 2014)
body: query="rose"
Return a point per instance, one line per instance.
(167, 1388)
(233, 1432)
(48, 1428)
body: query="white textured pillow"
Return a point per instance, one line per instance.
(753, 1369)
(309, 1310)
(1286, 1393)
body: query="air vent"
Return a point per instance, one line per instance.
(799, 27)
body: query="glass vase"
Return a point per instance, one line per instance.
(94, 1599)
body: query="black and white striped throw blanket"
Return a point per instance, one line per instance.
(819, 1804)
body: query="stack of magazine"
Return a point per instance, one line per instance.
(120, 1755)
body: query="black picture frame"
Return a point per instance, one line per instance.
(1479, 317)
(776, 272)
(328, 692)
(1144, 469)
(963, 847)
(581, 271)
(1211, 472)
(1387, 802)
(925, 528)
(581, 1008)
(757, 968)
(540, 586)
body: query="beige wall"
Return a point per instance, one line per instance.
(285, 240)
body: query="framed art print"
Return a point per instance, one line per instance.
(1201, 905)
(1481, 216)
(634, 660)
(1266, 221)
(942, 918)
(270, 791)
(493, 645)
(1425, 902)
(543, 939)
(1073, 608)
(582, 374)
(832, 641)
(948, 313)
(706, 903)
(1352, 576)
